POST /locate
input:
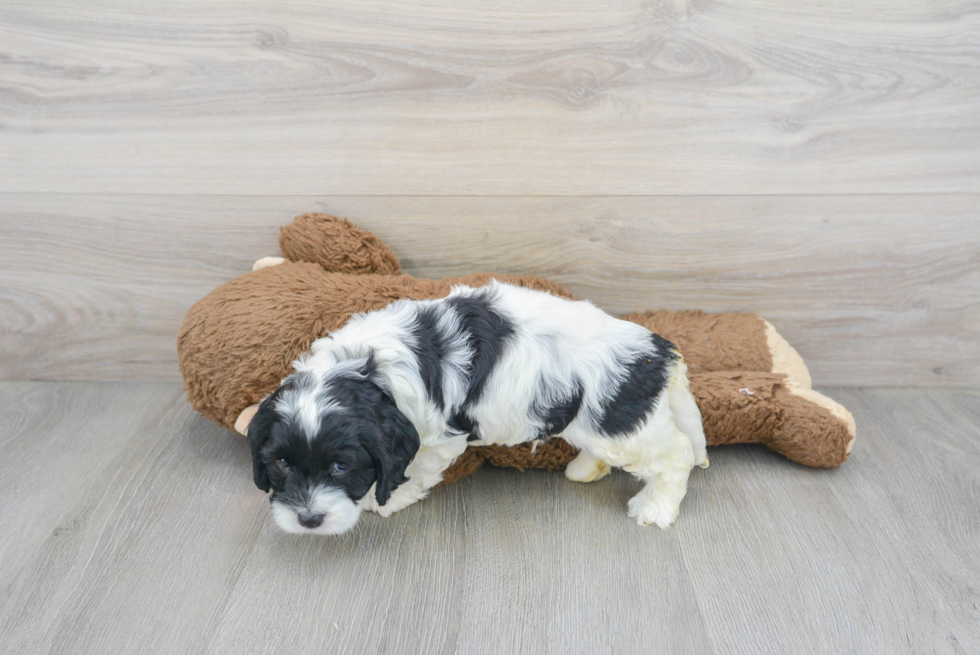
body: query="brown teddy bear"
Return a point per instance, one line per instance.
(237, 343)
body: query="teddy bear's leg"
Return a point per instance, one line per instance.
(586, 467)
(785, 359)
(776, 411)
(733, 341)
(815, 430)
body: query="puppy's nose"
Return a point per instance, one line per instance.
(310, 520)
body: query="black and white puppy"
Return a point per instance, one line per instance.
(377, 411)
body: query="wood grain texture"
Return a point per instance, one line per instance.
(165, 546)
(408, 98)
(47, 463)
(150, 541)
(872, 290)
(879, 558)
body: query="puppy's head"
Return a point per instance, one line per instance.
(320, 442)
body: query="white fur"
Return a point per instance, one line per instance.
(340, 513)
(306, 404)
(556, 341)
(586, 467)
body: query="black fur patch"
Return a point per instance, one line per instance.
(645, 380)
(557, 417)
(429, 350)
(488, 333)
(463, 423)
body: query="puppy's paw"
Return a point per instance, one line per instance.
(386, 510)
(586, 468)
(402, 498)
(659, 511)
(389, 508)
(368, 503)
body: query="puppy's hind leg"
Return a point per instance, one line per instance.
(586, 467)
(666, 485)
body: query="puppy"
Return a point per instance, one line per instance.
(376, 412)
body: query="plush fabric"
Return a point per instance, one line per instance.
(236, 345)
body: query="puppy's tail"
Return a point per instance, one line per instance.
(686, 412)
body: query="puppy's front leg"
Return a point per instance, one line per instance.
(423, 473)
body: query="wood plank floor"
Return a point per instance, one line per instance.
(130, 524)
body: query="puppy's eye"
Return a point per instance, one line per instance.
(283, 464)
(339, 468)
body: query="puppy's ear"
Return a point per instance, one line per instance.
(259, 431)
(394, 452)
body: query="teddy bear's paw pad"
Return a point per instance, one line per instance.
(785, 359)
(266, 262)
(659, 511)
(586, 468)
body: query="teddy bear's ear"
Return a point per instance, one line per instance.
(337, 245)
(266, 262)
(241, 423)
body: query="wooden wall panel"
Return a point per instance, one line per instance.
(816, 163)
(873, 290)
(442, 97)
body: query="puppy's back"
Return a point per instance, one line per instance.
(538, 313)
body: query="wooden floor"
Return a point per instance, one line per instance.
(130, 524)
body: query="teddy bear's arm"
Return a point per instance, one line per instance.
(337, 245)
